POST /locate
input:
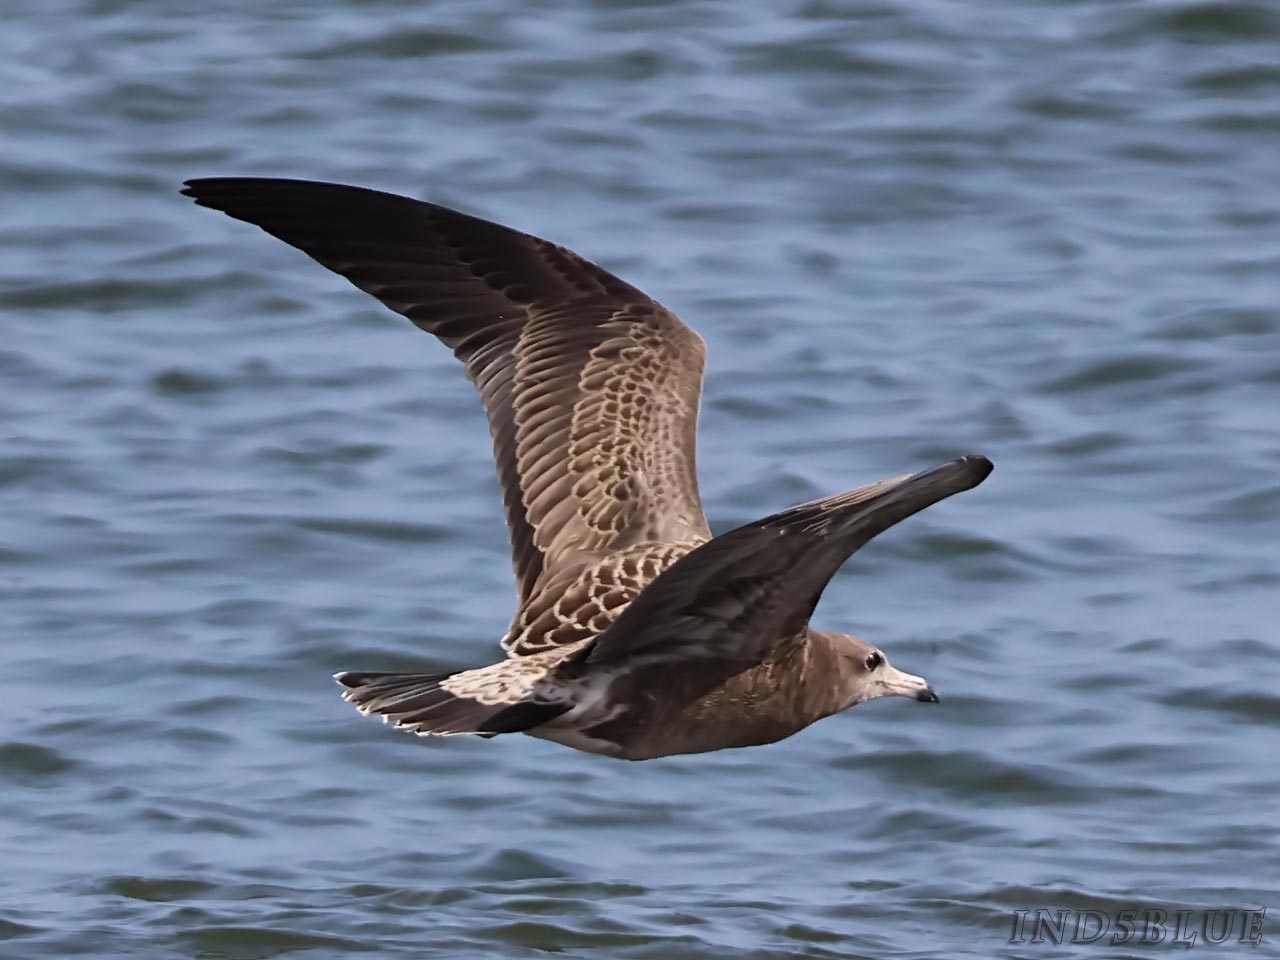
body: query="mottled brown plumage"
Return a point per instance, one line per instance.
(590, 387)
(636, 634)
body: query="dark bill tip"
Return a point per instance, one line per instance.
(927, 696)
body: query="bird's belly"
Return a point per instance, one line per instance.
(648, 730)
(641, 744)
(578, 739)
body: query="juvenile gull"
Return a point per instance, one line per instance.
(637, 634)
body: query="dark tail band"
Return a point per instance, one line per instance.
(416, 702)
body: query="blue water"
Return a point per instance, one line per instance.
(1048, 232)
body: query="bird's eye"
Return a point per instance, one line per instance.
(873, 660)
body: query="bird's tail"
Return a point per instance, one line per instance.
(421, 703)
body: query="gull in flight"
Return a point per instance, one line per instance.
(638, 634)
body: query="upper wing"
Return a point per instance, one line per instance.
(736, 598)
(591, 388)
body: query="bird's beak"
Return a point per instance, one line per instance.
(899, 684)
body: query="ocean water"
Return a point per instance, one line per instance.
(1047, 231)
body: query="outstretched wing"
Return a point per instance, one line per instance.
(591, 388)
(733, 600)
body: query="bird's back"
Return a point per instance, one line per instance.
(581, 601)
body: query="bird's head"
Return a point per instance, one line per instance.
(867, 674)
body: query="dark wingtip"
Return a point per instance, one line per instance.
(199, 188)
(282, 205)
(209, 191)
(204, 190)
(192, 188)
(963, 473)
(980, 465)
